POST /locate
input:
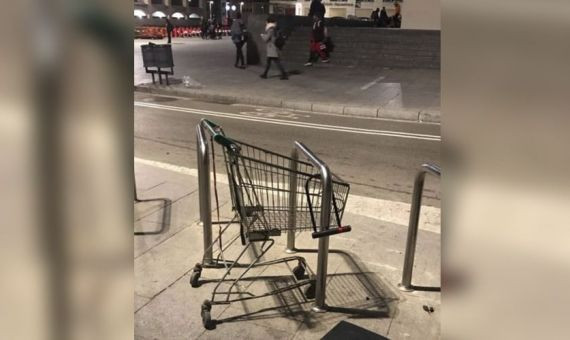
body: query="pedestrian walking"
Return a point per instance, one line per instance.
(169, 29)
(211, 29)
(204, 29)
(317, 43)
(375, 16)
(317, 8)
(238, 37)
(396, 19)
(383, 20)
(269, 38)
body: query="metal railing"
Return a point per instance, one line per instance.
(406, 284)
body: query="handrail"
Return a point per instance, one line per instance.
(406, 284)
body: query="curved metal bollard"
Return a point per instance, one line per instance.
(204, 192)
(406, 284)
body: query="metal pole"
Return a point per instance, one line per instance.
(292, 202)
(135, 187)
(406, 284)
(322, 259)
(204, 192)
(323, 252)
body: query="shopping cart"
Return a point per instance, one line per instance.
(270, 193)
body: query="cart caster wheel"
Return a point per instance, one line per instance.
(310, 291)
(206, 315)
(195, 276)
(299, 272)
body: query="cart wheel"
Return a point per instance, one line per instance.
(299, 272)
(310, 291)
(195, 276)
(206, 316)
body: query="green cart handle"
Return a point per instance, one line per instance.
(212, 127)
(218, 134)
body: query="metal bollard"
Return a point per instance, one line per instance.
(204, 193)
(323, 252)
(135, 187)
(406, 284)
(292, 203)
(322, 259)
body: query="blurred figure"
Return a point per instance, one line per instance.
(317, 46)
(238, 38)
(384, 19)
(212, 29)
(169, 29)
(272, 51)
(317, 8)
(396, 20)
(375, 16)
(204, 28)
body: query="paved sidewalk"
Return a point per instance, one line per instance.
(407, 94)
(363, 275)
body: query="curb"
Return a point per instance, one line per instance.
(422, 116)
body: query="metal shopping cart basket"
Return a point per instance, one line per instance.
(270, 193)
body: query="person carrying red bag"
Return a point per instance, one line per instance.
(317, 44)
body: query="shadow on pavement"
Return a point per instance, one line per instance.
(426, 289)
(166, 213)
(357, 294)
(346, 330)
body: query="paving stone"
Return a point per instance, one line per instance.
(327, 87)
(328, 108)
(360, 111)
(364, 268)
(297, 105)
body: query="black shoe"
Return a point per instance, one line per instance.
(264, 76)
(284, 77)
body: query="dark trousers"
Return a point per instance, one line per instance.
(169, 37)
(239, 53)
(277, 62)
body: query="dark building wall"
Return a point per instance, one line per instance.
(354, 46)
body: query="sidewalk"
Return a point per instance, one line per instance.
(362, 274)
(406, 94)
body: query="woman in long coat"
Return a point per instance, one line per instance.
(272, 51)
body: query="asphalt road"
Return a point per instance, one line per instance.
(379, 158)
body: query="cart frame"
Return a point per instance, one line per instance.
(205, 198)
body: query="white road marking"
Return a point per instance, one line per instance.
(174, 168)
(273, 113)
(372, 83)
(375, 208)
(388, 133)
